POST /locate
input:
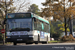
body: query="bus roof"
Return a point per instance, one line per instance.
(33, 15)
(19, 12)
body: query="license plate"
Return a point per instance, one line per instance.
(19, 39)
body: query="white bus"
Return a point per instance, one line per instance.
(27, 28)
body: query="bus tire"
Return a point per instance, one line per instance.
(38, 40)
(15, 43)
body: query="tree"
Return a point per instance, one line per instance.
(34, 9)
(73, 25)
(62, 28)
(60, 10)
(55, 29)
(22, 5)
(5, 7)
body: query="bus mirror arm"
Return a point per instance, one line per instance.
(34, 19)
(4, 22)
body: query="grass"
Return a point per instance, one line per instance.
(54, 41)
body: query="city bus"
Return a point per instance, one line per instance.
(27, 28)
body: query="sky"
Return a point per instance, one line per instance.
(38, 2)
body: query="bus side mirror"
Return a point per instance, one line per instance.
(4, 22)
(34, 19)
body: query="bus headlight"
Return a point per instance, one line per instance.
(8, 34)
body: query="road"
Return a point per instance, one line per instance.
(52, 46)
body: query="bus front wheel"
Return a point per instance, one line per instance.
(15, 43)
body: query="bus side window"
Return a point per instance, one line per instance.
(46, 29)
(39, 25)
(35, 24)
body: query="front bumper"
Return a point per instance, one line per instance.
(20, 38)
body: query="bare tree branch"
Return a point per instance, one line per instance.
(22, 5)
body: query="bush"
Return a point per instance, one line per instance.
(68, 38)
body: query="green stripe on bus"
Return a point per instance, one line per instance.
(42, 26)
(40, 18)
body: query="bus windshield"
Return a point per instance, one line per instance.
(19, 24)
(19, 15)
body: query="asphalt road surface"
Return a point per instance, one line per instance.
(54, 46)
